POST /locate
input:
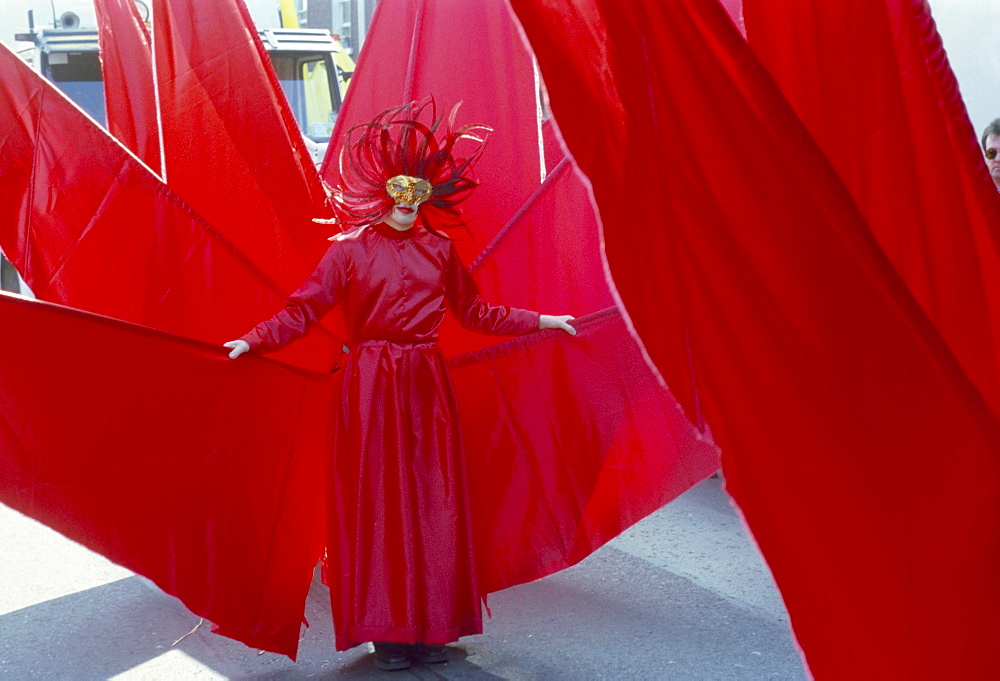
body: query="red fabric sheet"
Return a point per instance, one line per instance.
(573, 442)
(862, 457)
(580, 436)
(87, 225)
(899, 137)
(127, 66)
(233, 150)
(546, 258)
(549, 256)
(144, 447)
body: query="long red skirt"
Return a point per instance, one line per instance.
(400, 552)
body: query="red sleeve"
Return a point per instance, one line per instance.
(476, 314)
(316, 297)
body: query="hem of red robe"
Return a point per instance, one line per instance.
(355, 636)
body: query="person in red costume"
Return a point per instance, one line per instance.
(401, 571)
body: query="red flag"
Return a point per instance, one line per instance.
(584, 439)
(127, 65)
(574, 441)
(863, 458)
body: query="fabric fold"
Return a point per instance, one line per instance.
(143, 446)
(862, 455)
(900, 139)
(129, 90)
(88, 225)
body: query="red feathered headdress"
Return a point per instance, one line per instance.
(396, 142)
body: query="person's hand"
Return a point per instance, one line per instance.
(238, 348)
(547, 321)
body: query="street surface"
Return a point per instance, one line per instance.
(682, 595)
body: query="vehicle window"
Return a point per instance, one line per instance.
(306, 82)
(78, 75)
(320, 114)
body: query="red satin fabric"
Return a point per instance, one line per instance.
(562, 461)
(168, 458)
(127, 66)
(545, 259)
(87, 225)
(863, 458)
(400, 555)
(573, 438)
(899, 137)
(233, 150)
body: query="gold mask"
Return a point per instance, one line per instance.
(409, 190)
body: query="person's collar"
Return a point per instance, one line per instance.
(390, 232)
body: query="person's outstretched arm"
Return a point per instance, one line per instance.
(317, 296)
(474, 313)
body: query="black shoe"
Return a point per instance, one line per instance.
(391, 657)
(430, 654)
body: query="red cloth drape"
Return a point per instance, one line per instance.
(581, 436)
(549, 256)
(573, 442)
(863, 458)
(233, 150)
(87, 225)
(871, 82)
(163, 455)
(127, 67)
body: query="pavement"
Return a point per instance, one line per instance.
(682, 595)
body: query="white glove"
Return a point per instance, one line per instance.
(238, 348)
(547, 321)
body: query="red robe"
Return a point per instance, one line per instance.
(400, 550)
